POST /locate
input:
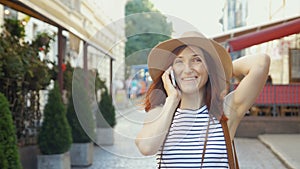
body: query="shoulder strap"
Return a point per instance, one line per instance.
(235, 156)
(232, 159)
(205, 142)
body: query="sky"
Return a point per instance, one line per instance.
(204, 15)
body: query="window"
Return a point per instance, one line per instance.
(294, 64)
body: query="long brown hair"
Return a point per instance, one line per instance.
(156, 94)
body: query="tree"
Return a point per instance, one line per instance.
(23, 73)
(143, 30)
(9, 155)
(78, 133)
(107, 110)
(55, 135)
(79, 113)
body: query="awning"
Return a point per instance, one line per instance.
(268, 34)
(250, 29)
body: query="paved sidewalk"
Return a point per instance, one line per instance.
(252, 154)
(285, 146)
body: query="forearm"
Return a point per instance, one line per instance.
(155, 128)
(251, 63)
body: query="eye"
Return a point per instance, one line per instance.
(196, 59)
(177, 60)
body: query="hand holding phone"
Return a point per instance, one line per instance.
(173, 78)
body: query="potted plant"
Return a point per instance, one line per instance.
(54, 138)
(9, 155)
(81, 119)
(106, 119)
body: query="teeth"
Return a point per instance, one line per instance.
(189, 78)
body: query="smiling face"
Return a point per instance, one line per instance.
(190, 70)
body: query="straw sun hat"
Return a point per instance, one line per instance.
(161, 57)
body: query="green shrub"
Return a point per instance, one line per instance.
(3, 161)
(9, 155)
(79, 112)
(107, 118)
(55, 135)
(22, 75)
(78, 133)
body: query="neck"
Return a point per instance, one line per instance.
(192, 101)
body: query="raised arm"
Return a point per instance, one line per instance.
(255, 69)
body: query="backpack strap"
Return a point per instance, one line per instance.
(232, 158)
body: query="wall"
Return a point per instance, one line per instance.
(271, 10)
(252, 126)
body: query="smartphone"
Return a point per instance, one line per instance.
(173, 78)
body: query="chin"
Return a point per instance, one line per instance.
(190, 90)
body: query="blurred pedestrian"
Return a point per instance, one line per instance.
(142, 87)
(133, 88)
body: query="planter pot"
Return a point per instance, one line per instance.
(105, 136)
(82, 154)
(55, 161)
(28, 156)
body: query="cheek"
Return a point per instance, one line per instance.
(201, 69)
(177, 69)
(203, 74)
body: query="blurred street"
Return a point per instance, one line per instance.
(252, 153)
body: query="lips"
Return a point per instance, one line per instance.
(189, 78)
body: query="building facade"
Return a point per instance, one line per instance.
(89, 34)
(245, 13)
(92, 19)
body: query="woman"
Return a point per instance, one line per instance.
(183, 124)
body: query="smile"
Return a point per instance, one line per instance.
(189, 78)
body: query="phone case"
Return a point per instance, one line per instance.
(173, 78)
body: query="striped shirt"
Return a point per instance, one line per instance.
(185, 141)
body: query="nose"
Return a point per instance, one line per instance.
(188, 68)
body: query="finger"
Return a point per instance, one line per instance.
(166, 74)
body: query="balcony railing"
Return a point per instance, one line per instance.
(278, 100)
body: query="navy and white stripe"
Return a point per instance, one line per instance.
(184, 143)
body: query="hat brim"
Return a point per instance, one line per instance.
(161, 56)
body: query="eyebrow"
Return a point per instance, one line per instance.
(179, 56)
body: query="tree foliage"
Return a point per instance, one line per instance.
(78, 133)
(145, 27)
(80, 113)
(55, 135)
(107, 118)
(9, 154)
(23, 73)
